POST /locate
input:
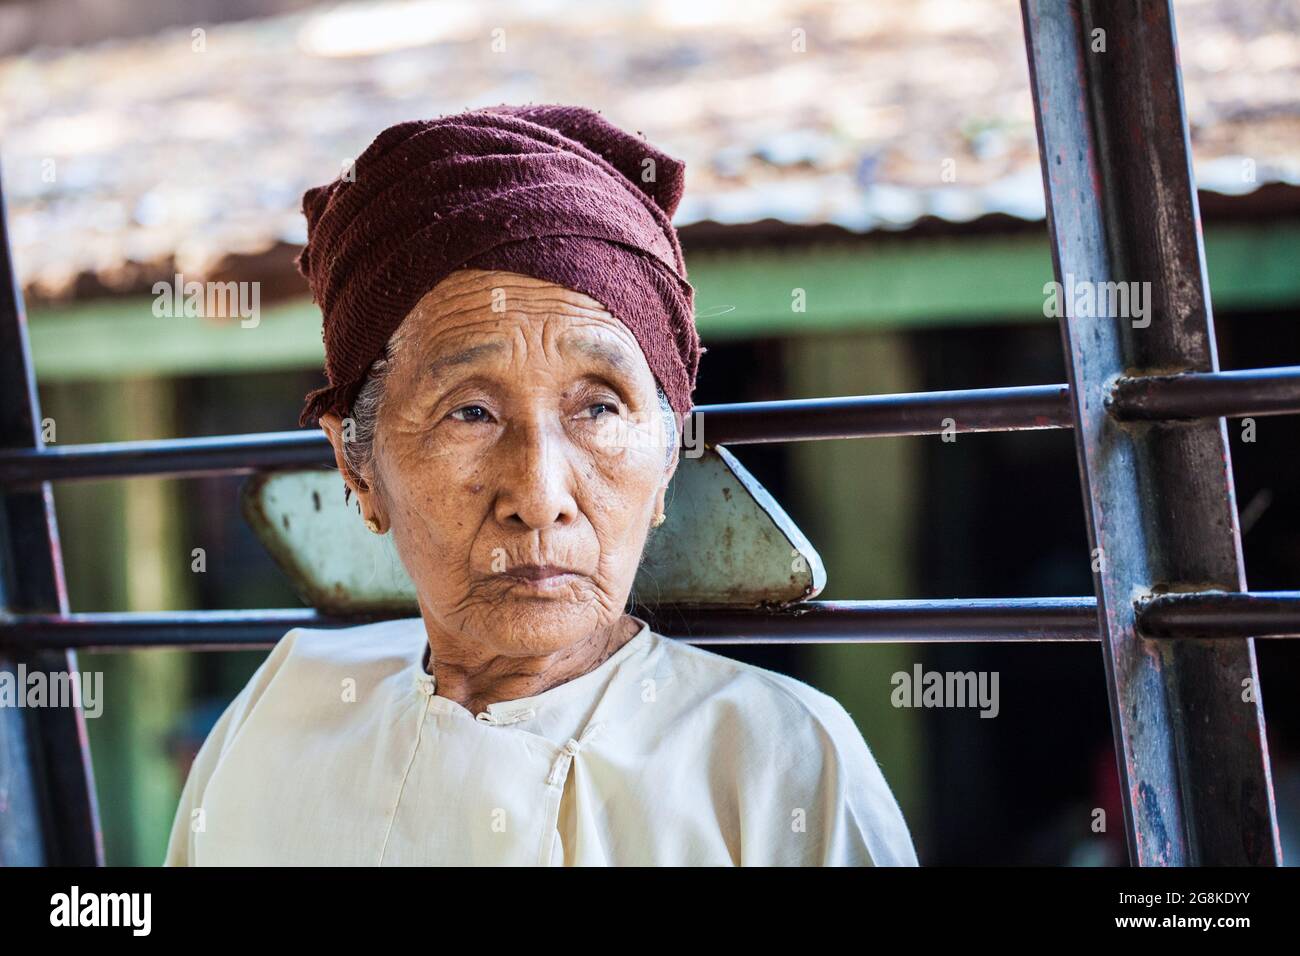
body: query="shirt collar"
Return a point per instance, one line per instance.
(512, 711)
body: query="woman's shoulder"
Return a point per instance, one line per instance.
(789, 748)
(307, 659)
(311, 673)
(739, 689)
(380, 645)
(295, 688)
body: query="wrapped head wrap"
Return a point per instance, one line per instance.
(553, 192)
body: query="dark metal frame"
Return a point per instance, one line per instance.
(1173, 618)
(1162, 513)
(49, 814)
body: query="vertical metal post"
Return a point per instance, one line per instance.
(1121, 207)
(48, 814)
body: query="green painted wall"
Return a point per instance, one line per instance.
(123, 549)
(862, 500)
(895, 283)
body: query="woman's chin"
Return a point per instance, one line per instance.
(539, 624)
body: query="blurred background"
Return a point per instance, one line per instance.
(880, 155)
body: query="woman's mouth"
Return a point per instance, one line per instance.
(540, 578)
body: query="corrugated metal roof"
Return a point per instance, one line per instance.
(135, 158)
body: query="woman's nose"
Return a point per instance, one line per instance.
(536, 479)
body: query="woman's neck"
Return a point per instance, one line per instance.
(474, 680)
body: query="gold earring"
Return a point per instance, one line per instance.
(373, 525)
(658, 519)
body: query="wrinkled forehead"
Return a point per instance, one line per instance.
(478, 318)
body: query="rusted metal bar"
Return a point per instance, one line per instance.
(1195, 395)
(48, 814)
(1026, 619)
(1220, 614)
(1160, 503)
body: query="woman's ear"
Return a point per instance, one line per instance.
(662, 494)
(367, 500)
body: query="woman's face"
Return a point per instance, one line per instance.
(520, 458)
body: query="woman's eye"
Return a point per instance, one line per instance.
(471, 413)
(602, 408)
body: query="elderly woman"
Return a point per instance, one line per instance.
(510, 347)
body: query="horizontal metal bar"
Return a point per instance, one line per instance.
(1195, 395)
(1024, 408)
(195, 630)
(998, 620)
(223, 454)
(1270, 391)
(964, 620)
(1028, 619)
(864, 416)
(1220, 614)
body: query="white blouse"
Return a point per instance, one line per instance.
(339, 751)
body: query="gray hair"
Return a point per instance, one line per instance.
(359, 451)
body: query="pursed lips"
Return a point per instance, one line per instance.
(539, 573)
(536, 572)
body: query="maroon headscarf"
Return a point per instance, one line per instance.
(553, 192)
